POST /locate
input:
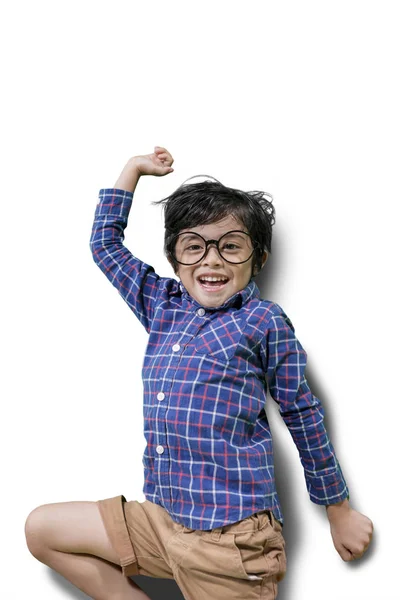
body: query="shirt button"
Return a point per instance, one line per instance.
(160, 396)
(160, 449)
(201, 312)
(176, 347)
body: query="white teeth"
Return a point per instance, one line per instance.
(213, 279)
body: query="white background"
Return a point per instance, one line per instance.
(300, 99)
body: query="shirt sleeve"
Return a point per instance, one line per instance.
(285, 361)
(136, 281)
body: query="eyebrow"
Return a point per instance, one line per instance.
(188, 236)
(194, 235)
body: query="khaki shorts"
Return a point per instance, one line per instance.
(243, 560)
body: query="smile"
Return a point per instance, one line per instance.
(212, 284)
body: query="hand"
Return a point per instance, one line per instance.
(159, 163)
(351, 531)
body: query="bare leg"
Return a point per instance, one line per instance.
(70, 538)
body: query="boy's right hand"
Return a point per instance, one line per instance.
(158, 163)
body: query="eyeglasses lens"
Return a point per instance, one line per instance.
(234, 247)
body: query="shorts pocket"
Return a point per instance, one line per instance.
(261, 553)
(211, 557)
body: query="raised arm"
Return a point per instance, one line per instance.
(135, 280)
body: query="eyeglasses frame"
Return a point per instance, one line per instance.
(216, 242)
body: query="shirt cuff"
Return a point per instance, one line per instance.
(327, 489)
(114, 202)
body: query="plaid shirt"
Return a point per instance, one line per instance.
(208, 459)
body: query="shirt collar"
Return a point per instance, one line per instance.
(236, 301)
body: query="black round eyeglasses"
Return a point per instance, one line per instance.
(235, 247)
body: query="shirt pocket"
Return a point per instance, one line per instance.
(220, 339)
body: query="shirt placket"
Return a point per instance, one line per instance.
(165, 395)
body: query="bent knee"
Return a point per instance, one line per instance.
(35, 531)
(72, 527)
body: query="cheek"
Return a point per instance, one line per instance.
(183, 274)
(244, 277)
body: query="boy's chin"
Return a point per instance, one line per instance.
(211, 299)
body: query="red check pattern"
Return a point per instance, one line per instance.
(208, 459)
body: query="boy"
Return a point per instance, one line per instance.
(211, 519)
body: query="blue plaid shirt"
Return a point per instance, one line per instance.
(208, 459)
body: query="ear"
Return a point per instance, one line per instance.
(263, 261)
(264, 258)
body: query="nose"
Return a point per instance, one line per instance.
(212, 256)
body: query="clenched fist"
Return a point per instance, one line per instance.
(158, 163)
(351, 531)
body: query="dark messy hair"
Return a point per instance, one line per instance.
(209, 201)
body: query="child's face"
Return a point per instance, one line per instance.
(237, 275)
